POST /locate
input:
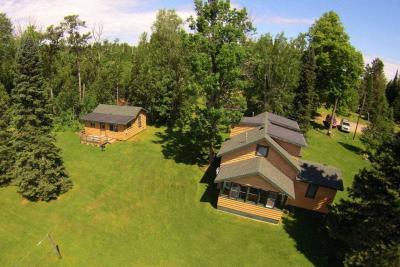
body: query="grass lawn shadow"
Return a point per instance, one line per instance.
(351, 148)
(180, 147)
(317, 126)
(308, 230)
(211, 192)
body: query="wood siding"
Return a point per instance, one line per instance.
(123, 132)
(292, 149)
(256, 182)
(240, 129)
(281, 163)
(323, 198)
(242, 208)
(248, 152)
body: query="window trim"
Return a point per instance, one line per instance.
(312, 196)
(259, 154)
(113, 127)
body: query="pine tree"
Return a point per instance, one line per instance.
(38, 168)
(6, 159)
(392, 89)
(304, 101)
(368, 222)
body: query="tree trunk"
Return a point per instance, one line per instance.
(332, 116)
(359, 115)
(79, 80)
(211, 154)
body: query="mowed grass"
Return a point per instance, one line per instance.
(130, 206)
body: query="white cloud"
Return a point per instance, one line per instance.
(391, 66)
(283, 20)
(123, 19)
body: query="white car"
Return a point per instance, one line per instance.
(345, 125)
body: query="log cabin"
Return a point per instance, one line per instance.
(261, 171)
(109, 123)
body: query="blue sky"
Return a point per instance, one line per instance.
(373, 26)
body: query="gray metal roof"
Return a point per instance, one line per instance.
(257, 166)
(112, 114)
(278, 127)
(324, 175)
(252, 137)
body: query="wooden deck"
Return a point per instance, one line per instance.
(249, 210)
(97, 140)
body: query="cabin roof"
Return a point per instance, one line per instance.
(260, 167)
(252, 137)
(320, 174)
(278, 127)
(113, 114)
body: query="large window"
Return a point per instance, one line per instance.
(102, 126)
(311, 190)
(261, 151)
(252, 195)
(92, 124)
(113, 127)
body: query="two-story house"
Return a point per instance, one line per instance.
(261, 171)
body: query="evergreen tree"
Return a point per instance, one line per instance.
(304, 102)
(7, 52)
(368, 222)
(6, 155)
(339, 64)
(38, 168)
(393, 96)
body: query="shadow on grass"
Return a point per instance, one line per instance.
(317, 126)
(351, 148)
(211, 192)
(180, 147)
(308, 230)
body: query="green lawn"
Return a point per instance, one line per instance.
(131, 206)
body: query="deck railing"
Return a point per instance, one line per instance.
(94, 139)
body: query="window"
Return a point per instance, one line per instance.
(139, 121)
(252, 196)
(226, 187)
(102, 126)
(311, 190)
(243, 192)
(92, 124)
(113, 127)
(129, 125)
(261, 151)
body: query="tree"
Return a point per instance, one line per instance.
(273, 69)
(393, 96)
(76, 42)
(373, 87)
(219, 34)
(304, 101)
(367, 223)
(38, 168)
(7, 52)
(6, 154)
(339, 64)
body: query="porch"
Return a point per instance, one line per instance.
(97, 140)
(251, 202)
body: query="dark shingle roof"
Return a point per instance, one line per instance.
(252, 137)
(112, 114)
(320, 174)
(278, 127)
(257, 166)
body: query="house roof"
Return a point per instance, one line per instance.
(113, 114)
(260, 167)
(278, 127)
(252, 137)
(324, 175)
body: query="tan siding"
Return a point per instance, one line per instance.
(243, 154)
(292, 149)
(257, 182)
(249, 208)
(281, 163)
(240, 129)
(320, 203)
